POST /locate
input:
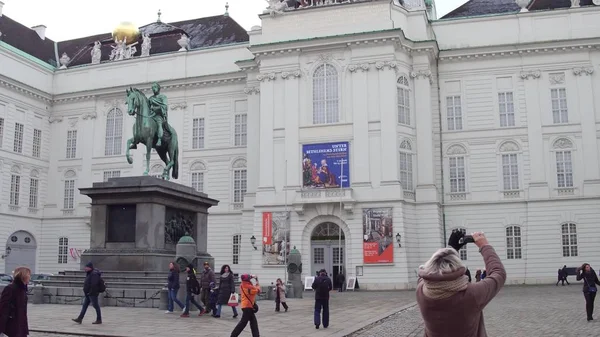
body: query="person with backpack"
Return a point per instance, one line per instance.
(13, 305)
(248, 292)
(322, 286)
(92, 287)
(192, 288)
(590, 280)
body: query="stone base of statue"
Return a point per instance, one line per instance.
(136, 223)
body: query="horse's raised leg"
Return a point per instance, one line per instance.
(148, 153)
(163, 157)
(127, 153)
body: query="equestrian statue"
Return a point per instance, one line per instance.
(152, 129)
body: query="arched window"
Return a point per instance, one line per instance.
(63, 250)
(197, 171)
(569, 239)
(510, 166)
(239, 182)
(513, 242)
(325, 95)
(463, 250)
(457, 168)
(69, 191)
(114, 133)
(564, 162)
(403, 100)
(406, 165)
(34, 188)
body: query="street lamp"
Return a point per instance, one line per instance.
(253, 242)
(398, 237)
(7, 252)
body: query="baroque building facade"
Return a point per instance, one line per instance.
(428, 125)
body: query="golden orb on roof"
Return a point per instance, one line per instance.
(127, 31)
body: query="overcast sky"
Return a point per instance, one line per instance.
(68, 19)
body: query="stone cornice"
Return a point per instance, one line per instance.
(23, 89)
(579, 71)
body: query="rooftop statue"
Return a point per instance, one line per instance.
(152, 129)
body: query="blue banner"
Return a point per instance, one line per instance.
(325, 165)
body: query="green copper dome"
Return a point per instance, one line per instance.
(186, 239)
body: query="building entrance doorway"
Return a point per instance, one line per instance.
(23, 251)
(328, 251)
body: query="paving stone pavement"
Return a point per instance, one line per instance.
(522, 311)
(349, 312)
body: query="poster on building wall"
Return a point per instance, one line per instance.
(325, 165)
(276, 238)
(378, 236)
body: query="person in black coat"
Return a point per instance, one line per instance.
(13, 305)
(590, 280)
(226, 289)
(455, 242)
(192, 287)
(341, 279)
(322, 286)
(91, 290)
(173, 288)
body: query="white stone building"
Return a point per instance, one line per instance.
(485, 120)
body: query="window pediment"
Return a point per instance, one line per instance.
(562, 143)
(456, 150)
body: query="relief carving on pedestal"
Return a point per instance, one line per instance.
(177, 224)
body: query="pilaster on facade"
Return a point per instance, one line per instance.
(267, 111)
(253, 143)
(389, 125)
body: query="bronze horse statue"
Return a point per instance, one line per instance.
(145, 131)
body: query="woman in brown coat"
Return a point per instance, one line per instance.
(13, 305)
(450, 305)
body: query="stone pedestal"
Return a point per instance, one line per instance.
(137, 221)
(294, 269)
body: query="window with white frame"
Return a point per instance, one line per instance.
(403, 100)
(454, 113)
(69, 194)
(457, 168)
(198, 133)
(564, 163)
(241, 130)
(325, 95)
(15, 187)
(63, 250)
(1, 131)
(34, 190)
(71, 144)
(37, 143)
(110, 174)
(569, 239)
(18, 143)
(235, 249)
(513, 242)
(239, 181)
(113, 144)
(406, 165)
(560, 112)
(506, 107)
(463, 250)
(510, 166)
(198, 181)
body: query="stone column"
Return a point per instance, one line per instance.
(253, 143)
(292, 111)
(591, 164)
(360, 145)
(426, 190)
(538, 186)
(389, 123)
(266, 131)
(201, 236)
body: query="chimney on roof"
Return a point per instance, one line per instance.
(1, 5)
(40, 30)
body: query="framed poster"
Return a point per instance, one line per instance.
(359, 270)
(308, 281)
(378, 235)
(276, 238)
(351, 283)
(325, 165)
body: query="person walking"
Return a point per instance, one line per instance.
(248, 292)
(207, 277)
(13, 305)
(565, 274)
(92, 287)
(192, 287)
(280, 295)
(226, 289)
(322, 286)
(449, 304)
(342, 279)
(478, 275)
(173, 288)
(590, 280)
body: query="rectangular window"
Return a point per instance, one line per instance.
(403, 106)
(513, 242)
(241, 129)
(1, 131)
(71, 144)
(318, 255)
(510, 172)
(569, 240)
(338, 255)
(198, 133)
(564, 169)
(18, 145)
(63, 250)
(457, 175)
(454, 113)
(69, 199)
(15, 186)
(236, 244)
(198, 181)
(37, 143)
(506, 107)
(560, 113)
(406, 174)
(33, 193)
(111, 174)
(239, 185)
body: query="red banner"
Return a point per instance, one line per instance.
(378, 235)
(371, 253)
(267, 228)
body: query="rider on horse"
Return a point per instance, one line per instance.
(158, 106)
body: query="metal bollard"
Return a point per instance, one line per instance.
(164, 299)
(270, 293)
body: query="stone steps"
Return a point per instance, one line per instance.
(109, 284)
